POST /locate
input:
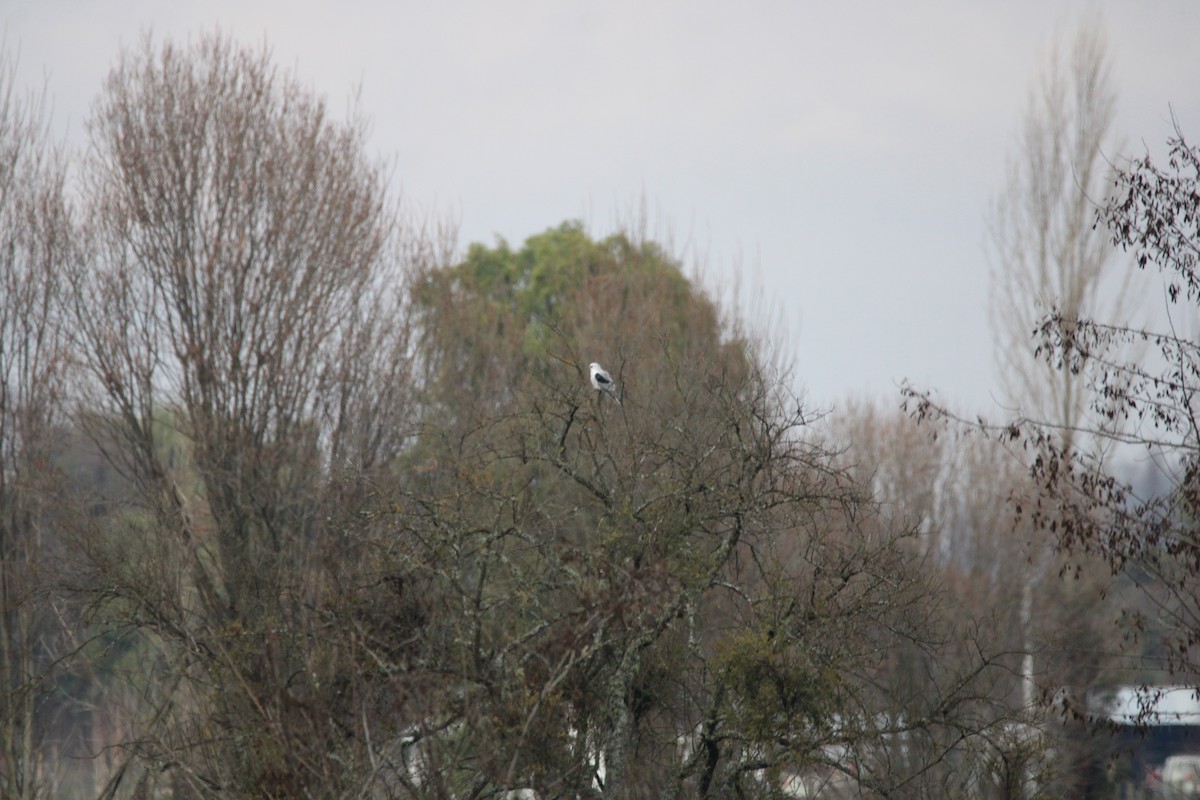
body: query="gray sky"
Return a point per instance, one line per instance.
(841, 156)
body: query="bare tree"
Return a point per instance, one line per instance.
(1046, 253)
(1143, 404)
(238, 313)
(1047, 256)
(959, 491)
(34, 247)
(1147, 402)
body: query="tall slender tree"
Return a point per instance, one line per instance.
(1047, 256)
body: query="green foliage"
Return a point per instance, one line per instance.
(504, 315)
(778, 692)
(537, 282)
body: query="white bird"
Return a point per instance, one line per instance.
(603, 382)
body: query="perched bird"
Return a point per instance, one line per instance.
(603, 382)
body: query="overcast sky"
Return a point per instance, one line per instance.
(840, 155)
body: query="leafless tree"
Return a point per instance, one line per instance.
(34, 247)
(958, 490)
(1143, 403)
(1047, 256)
(238, 312)
(1046, 253)
(1147, 402)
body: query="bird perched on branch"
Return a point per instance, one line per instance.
(603, 382)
